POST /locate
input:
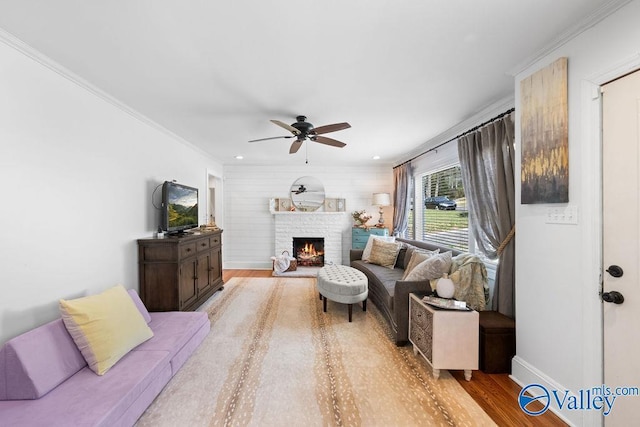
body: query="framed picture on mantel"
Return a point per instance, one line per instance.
(334, 205)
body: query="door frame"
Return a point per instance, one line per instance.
(591, 218)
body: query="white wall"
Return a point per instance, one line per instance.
(77, 176)
(249, 229)
(558, 311)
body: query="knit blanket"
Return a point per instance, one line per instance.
(469, 275)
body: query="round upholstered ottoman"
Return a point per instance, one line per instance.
(342, 284)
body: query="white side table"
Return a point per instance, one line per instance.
(447, 339)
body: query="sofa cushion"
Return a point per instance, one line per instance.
(384, 253)
(431, 268)
(34, 363)
(384, 280)
(87, 399)
(140, 305)
(366, 253)
(173, 330)
(105, 327)
(417, 256)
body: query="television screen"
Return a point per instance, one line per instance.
(179, 207)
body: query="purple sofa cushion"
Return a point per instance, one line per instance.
(34, 363)
(87, 399)
(139, 305)
(177, 332)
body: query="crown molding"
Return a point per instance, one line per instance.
(27, 50)
(569, 34)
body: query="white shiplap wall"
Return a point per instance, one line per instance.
(249, 226)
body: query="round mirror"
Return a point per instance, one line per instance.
(307, 194)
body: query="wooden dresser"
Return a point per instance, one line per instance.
(180, 273)
(360, 236)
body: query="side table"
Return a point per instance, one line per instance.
(447, 339)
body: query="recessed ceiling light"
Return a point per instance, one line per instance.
(239, 157)
(376, 157)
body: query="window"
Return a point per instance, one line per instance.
(441, 215)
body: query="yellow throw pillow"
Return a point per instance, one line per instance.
(105, 327)
(384, 253)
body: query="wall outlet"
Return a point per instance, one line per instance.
(562, 215)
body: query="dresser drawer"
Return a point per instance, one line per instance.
(214, 241)
(419, 316)
(187, 249)
(360, 239)
(202, 245)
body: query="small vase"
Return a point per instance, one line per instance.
(445, 287)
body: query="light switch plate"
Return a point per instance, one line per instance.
(562, 215)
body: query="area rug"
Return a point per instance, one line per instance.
(273, 358)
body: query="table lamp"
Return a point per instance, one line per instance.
(380, 200)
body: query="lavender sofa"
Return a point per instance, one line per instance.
(45, 381)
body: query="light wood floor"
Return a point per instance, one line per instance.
(497, 394)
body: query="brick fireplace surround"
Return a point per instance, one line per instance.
(327, 225)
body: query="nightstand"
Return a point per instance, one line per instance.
(447, 339)
(360, 236)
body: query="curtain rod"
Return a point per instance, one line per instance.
(498, 117)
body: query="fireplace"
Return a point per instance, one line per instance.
(309, 251)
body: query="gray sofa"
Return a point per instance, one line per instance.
(388, 292)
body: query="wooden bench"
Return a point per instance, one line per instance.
(497, 342)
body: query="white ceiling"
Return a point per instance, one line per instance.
(214, 73)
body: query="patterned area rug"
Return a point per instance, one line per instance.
(273, 358)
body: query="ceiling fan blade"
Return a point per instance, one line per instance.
(286, 126)
(328, 141)
(295, 146)
(274, 137)
(331, 128)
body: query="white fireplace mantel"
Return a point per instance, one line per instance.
(327, 225)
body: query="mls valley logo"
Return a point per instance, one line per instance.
(600, 398)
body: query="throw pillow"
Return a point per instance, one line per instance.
(411, 249)
(105, 327)
(384, 253)
(417, 257)
(366, 253)
(431, 268)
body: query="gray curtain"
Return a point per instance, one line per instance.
(487, 161)
(402, 199)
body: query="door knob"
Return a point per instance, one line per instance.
(613, 296)
(615, 271)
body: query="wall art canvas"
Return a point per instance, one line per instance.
(544, 176)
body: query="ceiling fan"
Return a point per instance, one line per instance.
(302, 130)
(301, 189)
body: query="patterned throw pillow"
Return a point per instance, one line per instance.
(431, 268)
(417, 256)
(366, 253)
(384, 253)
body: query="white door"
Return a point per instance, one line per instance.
(621, 244)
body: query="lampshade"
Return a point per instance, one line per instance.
(381, 199)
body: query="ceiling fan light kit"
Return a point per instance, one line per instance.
(303, 130)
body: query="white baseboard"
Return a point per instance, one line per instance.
(247, 265)
(524, 374)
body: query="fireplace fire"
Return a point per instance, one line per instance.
(309, 251)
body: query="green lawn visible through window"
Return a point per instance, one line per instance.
(447, 228)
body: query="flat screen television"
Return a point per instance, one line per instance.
(179, 207)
